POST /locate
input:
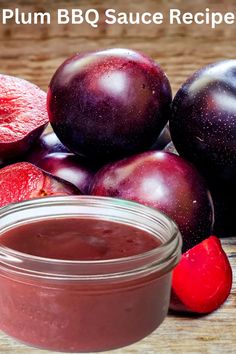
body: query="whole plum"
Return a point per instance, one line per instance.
(109, 104)
(164, 181)
(203, 122)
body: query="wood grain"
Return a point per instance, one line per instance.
(34, 52)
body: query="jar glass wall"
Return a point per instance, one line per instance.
(82, 306)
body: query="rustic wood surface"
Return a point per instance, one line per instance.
(34, 52)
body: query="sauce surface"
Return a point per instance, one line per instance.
(78, 239)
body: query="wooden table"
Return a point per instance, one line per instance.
(34, 52)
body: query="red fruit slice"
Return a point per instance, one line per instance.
(203, 279)
(23, 116)
(23, 181)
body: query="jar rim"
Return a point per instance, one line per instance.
(16, 261)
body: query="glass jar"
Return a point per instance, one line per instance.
(82, 306)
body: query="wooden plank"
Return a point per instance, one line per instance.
(35, 51)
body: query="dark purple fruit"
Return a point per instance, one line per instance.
(68, 167)
(109, 104)
(47, 143)
(164, 181)
(203, 122)
(224, 205)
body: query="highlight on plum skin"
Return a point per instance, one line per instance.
(47, 143)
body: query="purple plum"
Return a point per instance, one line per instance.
(109, 104)
(224, 204)
(68, 167)
(164, 181)
(47, 143)
(203, 129)
(203, 121)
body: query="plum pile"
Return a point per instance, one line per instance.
(112, 112)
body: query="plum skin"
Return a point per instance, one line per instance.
(203, 130)
(203, 121)
(164, 181)
(109, 104)
(16, 150)
(68, 167)
(47, 143)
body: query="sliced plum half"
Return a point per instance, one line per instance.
(23, 116)
(23, 181)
